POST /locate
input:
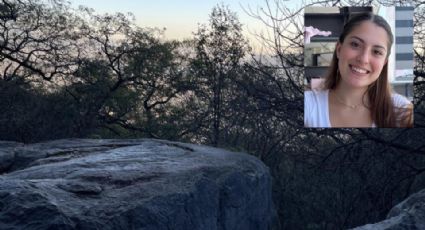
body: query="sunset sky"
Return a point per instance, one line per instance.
(179, 17)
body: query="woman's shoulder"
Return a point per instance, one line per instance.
(316, 93)
(315, 108)
(403, 109)
(400, 101)
(315, 98)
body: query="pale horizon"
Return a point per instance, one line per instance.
(180, 18)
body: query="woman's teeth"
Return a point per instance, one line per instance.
(359, 70)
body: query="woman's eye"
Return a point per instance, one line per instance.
(354, 44)
(378, 52)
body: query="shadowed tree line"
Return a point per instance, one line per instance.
(71, 73)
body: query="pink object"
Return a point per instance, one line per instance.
(310, 31)
(316, 83)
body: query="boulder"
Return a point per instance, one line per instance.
(7, 155)
(408, 215)
(132, 184)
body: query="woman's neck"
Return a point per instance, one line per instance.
(350, 96)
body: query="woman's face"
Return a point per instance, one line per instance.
(362, 55)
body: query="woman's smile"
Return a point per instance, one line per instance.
(359, 70)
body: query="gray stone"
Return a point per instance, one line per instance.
(4, 144)
(7, 157)
(134, 184)
(408, 215)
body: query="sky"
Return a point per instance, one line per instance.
(180, 17)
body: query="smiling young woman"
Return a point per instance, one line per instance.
(356, 91)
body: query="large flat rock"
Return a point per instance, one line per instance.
(408, 215)
(131, 184)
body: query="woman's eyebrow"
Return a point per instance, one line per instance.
(377, 46)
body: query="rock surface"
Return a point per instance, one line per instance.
(408, 215)
(131, 184)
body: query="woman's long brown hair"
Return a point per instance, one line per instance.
(383, 111)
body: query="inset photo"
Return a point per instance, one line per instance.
(358, 67)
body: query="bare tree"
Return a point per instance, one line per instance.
(220, 48)
(37, 40)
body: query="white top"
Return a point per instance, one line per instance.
(316, 108)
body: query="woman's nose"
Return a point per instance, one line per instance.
(363, 56)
